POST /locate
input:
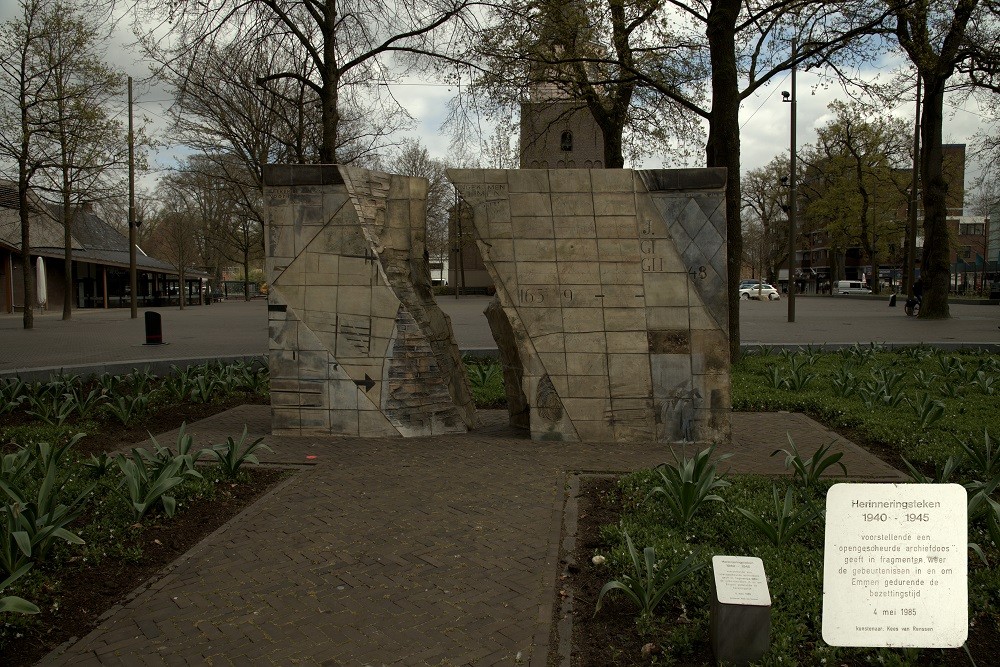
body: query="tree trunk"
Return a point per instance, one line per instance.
(28, 319)
(723, 148)
(181, 288)
(68, 257)
(935, 261)
(329, 92)
(873, 261)
(246, 276)
(613, 157)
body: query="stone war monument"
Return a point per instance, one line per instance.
(613, 286)
(357, 344)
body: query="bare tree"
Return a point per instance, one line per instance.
(413, 159)
(764, 216)
(581, 55)
(174, 233)
(24, 93)
(229, 208)
(86, 143)
(348, 44)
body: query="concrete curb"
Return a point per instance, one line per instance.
(157, 366)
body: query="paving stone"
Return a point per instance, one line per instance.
(434, 550)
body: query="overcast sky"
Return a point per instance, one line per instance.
(764, 119)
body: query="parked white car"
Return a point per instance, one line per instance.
(759, 291)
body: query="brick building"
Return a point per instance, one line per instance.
(100, 261)
(819, 262)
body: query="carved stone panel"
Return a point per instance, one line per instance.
(357, 344)
(613, 282)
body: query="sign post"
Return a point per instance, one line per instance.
(741, 610)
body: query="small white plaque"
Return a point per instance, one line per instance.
(740, 580)
(895, 565)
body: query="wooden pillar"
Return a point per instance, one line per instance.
(104, 281)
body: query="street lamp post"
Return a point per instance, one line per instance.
(790, 97)
(911, 226)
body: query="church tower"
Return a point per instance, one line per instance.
(557, 129)
(558, 132)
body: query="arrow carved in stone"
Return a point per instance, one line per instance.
(367, 383)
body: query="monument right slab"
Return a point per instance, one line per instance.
(614, 283)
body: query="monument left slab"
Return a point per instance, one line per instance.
(357, 345)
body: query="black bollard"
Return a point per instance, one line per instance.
(154, 329)
(892, 301)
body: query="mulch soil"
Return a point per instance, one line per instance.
(88, 590)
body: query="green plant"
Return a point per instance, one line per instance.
(141, 380)
(916, 352)
(887, 387)
(231, 455)
(942, 473)
(950, 365)
(31, 524)
(250, 376)
(650, 579)
(482, 374)
(799, 375)
(11, 394)
(923, 378)
(810, 354)
(15, 465)
(12, 603)
(109, 383)
(984, 457)
(985, 382)
(204, 387)
(984, 508)
(176, 387)
(145, 487)
(53, 409)
(788, 519)
(865, 353)
(951, 390)
(927, 409)
(87, 405)
(185, 454)
(689, 484)
(128, 409)
(807, 472)
(777, 378)
(844, 382)
(99, 465)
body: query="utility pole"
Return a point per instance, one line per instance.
(133, 282)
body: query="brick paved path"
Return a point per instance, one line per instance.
(430, 551)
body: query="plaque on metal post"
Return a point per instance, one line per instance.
(741, 610)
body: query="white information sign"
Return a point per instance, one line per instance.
(740, 580)
(895, 565)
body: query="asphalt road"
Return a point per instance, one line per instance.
(239, 329)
